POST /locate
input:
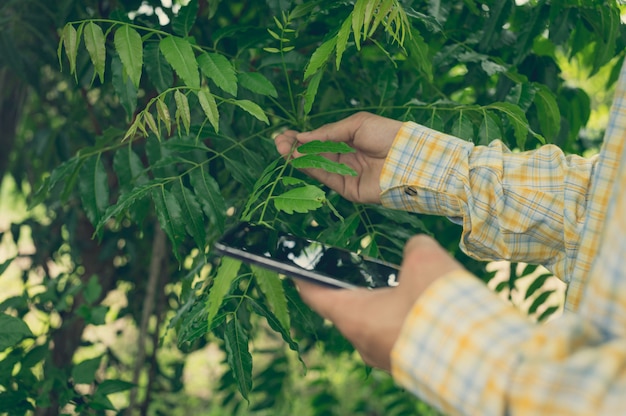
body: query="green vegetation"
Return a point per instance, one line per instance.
(133, 133)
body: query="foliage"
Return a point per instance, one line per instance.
(155, 136)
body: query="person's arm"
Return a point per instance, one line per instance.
(466, 351)
(517, 206)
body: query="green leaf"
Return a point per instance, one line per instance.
(489, 129)
(547, 313)
(92, 290)
(127, 200)
(85, 371)
(209, 106)
(164, 114)
(303, 199)
(185, 18)
(358, 19)
(95, 44)
(253, 109)
(238, 356)
(462, 127)
(226, 275)
(93, 185)
(124, 88)
(319, 57)
(318, 146)
(257, 83)
(70, 41)
(113, 386)
(157, 68)
(170, 216)
(128, 45)
(182, 110)
(274, 322)
(342, 39)
(418, 53)
(191, 213)
(272, 287)
(547, 111)
(12, 331)
(311, 91)
(387, 84)
(320, 162)
(208, 193)
(216, 67)
(179, 54)
(518, 120)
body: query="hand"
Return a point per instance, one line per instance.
(372, 319)
(370, 135)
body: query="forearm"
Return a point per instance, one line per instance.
(467, 351)
(516, 206)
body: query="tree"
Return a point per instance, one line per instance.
(138, 132)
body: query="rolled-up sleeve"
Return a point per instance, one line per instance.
(526, 206)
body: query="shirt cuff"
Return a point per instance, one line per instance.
(455, 347)
(423, 171)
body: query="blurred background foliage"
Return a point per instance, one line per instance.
(115, 321)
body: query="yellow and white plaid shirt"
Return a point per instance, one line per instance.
(463, 348)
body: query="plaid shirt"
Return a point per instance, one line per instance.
(463, 348)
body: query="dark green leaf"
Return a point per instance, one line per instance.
(71, 41)
(170, 216)
(185, 18)
(12, 331)
(272, 287)
(85, 371)
(319, 57)
(128, 45)
(253, 109)
(274, 322)
(238, 356)
(183, 113)
(157, 68)
(93, 184)
(489, 129)
(179, 54)
(547, 111)
(318, 146)
(462, 127)
(95, 44)
(209, 106)
(387, 84)
(113, 386)
(522, 95)
(124, 87)
(518, 120)
(216, 67)
(92, 290)
(127, 200)
(257, 83)
(311, 91)
(208, 193)
(302, 199)
(191, 213)
(547, 313)
(320, 162)
(226, 274)
(5, 265)
(129, 169)
(418, 53)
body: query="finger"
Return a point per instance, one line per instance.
(340, 131)
(285, 141)
(418, 241)
(324, 300)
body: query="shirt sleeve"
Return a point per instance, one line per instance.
(467, 351)
(525, 206)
